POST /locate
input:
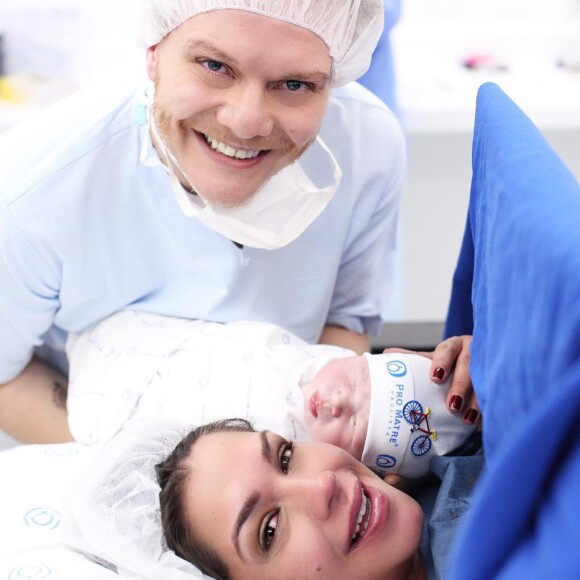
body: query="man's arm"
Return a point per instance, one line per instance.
(33, 405)
(339, 336)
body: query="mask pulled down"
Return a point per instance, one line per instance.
(277, 214)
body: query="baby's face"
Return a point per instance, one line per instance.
(336, 404)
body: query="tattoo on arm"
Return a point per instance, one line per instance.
(59, 393)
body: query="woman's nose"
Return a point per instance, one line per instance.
(246, 112)
(315, 493)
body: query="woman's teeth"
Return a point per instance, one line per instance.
(362, 520)
(229, 151)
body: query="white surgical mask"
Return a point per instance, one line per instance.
(277, 213)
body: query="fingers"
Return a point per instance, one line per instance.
(471, 412)
(453, 356)
(453, 352)
(394, 350)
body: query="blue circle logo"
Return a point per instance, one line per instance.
(396, 368)
(33, 572)
(42, 518)
(64, 451)
(385, 461)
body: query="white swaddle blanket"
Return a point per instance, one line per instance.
(136, 364)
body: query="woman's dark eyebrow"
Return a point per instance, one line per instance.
(266, 449)
(252, 501)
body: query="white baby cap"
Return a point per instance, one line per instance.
(409, 422)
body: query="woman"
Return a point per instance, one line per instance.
(237, 503)
(288, 510)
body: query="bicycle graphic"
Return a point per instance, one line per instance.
(419, 420)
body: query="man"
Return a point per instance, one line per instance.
(182, 197)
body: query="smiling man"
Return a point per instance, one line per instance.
(246, 178)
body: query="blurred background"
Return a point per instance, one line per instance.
(443, 51)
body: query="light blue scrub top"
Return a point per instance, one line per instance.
(87, 229)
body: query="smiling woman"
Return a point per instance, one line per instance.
(286, 510)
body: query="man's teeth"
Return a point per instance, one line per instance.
(361, 527)
(229, 151)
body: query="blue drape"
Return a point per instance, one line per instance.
(520, 266)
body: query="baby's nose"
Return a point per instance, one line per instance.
(337, 402)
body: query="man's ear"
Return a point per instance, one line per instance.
(151, 61)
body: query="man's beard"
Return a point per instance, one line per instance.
(284, 148)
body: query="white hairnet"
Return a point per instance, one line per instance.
(112, 507)
(350, 28)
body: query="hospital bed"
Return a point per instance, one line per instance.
(517, 286)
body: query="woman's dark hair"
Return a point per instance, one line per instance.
(173, 475)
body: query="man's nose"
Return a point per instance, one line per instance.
(315, 494)
(246, 112)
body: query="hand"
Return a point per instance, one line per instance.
(452, 355)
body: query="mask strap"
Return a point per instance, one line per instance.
(337, 169)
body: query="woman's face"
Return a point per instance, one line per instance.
(271, 509)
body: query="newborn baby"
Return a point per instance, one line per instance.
(383, 409)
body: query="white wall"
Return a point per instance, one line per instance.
(437, 99)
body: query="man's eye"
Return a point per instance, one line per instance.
(286, 458)
(269, 531)
(213, 65)
(296, 85)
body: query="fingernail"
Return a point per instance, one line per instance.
(456, 402)
(439, 373)
(471, 416)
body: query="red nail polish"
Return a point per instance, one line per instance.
(439, 373)
(456, 402)
(471, 416)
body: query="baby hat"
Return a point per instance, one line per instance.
(409, 422)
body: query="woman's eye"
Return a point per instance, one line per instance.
(286, 458)
(213, 65)
(269, 531)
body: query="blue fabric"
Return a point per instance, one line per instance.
(460, 315)
(445, 500)
(524, 216)
(380, 78)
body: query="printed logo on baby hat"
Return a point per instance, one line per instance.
(409, 422)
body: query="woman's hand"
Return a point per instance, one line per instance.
(452, 356)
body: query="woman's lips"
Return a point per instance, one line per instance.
(379, 508)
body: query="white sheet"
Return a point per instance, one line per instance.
(31, 497)
(135, 364)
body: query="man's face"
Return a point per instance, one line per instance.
(337, 402)
(238, 97)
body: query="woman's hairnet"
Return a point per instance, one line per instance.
(350, 28)
(112, 510)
